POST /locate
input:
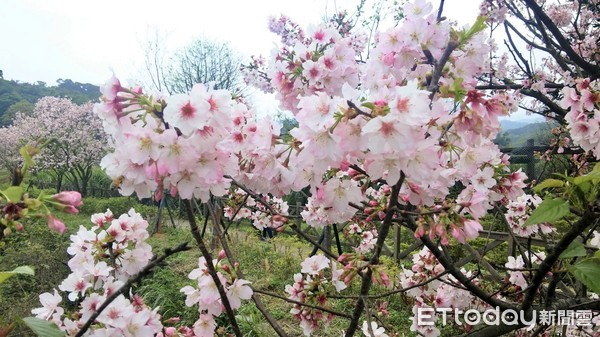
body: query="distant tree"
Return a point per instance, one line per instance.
(74, 136)
(502, 139)
(10, 159)
(22, 106)
(202, 61)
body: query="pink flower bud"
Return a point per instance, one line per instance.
(19, 226)
(55, 224)
(170, 331)
(70, 200)
(221, 255)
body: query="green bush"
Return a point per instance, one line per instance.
(118, 206)
(35, 192)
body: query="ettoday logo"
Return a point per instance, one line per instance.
(429, 317)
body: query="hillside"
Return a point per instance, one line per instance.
(517, 137)
(16, 96)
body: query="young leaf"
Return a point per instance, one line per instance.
(19, 270)
(43, 328)
(549, 210)
(548, 183)
(588, 272)
(13, 193)
(575, 249)
(590, 176)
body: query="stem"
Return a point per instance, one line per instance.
(366, 278)
(211, 268)
(278, 329)
(340, 314)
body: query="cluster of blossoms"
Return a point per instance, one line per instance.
(366, 238)
(241, 205)
(152, 156)
(583, 117)
(515, 267)
(439, 293)
(192, 144)
(518, 212)
(321, 59)
(330, 203)
(103, 258)
(206, 295)
(310, 287)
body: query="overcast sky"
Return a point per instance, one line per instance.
(44, 40)
(83, 40)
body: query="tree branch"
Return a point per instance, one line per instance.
(127, 285)
(211, 268)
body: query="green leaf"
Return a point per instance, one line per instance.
(590, 176)
(588, 272)
(26, 153)
(575, 249)
(369, 105)
(13, 193)
(548, 211)
(43, 328)
(477, 27)
(19, 270)
(548, 183)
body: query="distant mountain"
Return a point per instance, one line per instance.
(16, 96)
(517, 137)
(510, 125)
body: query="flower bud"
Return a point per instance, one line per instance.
(221, 255)
(55, 224)
(69, 200)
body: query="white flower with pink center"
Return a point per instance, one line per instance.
(314, 264)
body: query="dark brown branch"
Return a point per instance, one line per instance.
(439, 67)
(592, 69)
(515, 86)
(546, 265)
(462, 278)
(440, 11)
(259, 305)
(366, 278)
(156, 261)
(211, 268)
